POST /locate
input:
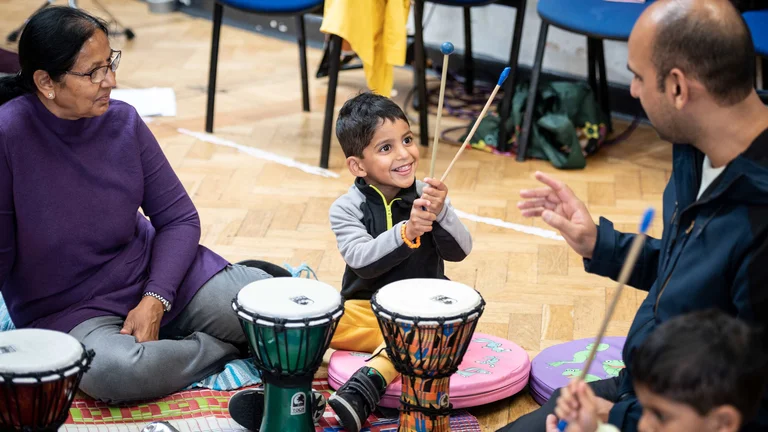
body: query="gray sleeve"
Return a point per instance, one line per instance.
(452, 238)
(367, 256)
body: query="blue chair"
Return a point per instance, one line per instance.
(420, 57)
(297, 8)
(598, 20)
(757, 21)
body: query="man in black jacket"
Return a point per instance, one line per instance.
(693, 62)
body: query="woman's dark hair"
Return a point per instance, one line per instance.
(51, 41)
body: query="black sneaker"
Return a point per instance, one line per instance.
(246, 407)
(354, 401)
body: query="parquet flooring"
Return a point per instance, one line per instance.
(537, 291)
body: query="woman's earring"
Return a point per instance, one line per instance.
(50, 95)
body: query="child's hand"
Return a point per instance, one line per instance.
(577, 406)
(435, 193)
(420, 221)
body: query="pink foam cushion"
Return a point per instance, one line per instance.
(492, 369)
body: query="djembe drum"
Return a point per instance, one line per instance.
(40, 371)
(427, 326)
(289, 323)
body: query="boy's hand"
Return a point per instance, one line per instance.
(577, 406)
(435, 193)
(420, 221)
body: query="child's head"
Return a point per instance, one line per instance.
(703, 371)
(377, 141)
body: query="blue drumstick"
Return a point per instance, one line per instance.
(448, 47)
(626, 271)
(502, 78)
(447, 50)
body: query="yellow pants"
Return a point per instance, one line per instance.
(377, 32)
(358, 330)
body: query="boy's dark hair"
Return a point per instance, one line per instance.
(360, 117)
(704, 359)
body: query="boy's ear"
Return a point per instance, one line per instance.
(356, 167)
(725, 418)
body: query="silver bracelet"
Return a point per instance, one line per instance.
(166, 303)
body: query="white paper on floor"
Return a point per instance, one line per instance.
(149, 102)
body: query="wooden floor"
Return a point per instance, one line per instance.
(537, 291)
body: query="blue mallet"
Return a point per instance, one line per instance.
(626, 272)
(447, 49)
(502, 78)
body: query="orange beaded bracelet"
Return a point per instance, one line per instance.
(410, 244)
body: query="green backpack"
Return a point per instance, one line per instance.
(568, 124)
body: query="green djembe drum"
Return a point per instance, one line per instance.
(289, 323)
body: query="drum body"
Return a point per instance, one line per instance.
(427, 326)
(40, 371)
(289, 324)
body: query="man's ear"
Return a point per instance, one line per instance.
(356, 166)
(725, 418)
(678, 88)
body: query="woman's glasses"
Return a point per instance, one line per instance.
(98, 74)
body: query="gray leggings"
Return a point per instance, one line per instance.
(196, 344)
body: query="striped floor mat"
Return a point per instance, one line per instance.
(206, 410)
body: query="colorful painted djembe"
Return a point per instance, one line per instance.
(427, 326)
(40, 371)
(289, 323)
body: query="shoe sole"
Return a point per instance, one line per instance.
(345, 413)
(246, 413)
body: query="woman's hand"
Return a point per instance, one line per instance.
(143, 322)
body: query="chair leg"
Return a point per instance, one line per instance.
(218, 12)
(334, 51)
(509, 85)
(605, 98)
(302, 39)
(469, 69)
(592, 65)
(420, 69)
(525, 133)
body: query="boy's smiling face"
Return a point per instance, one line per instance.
(389, 162)
(661, 414)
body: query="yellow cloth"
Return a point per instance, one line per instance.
(376, 31)
(358, 330)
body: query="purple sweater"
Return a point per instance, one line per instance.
(73, 245)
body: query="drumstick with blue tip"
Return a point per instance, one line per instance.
(626, 272)
(447, 49)
(502, 78)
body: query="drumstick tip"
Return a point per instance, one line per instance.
(646, 221)
(504, 75)
(446, 48)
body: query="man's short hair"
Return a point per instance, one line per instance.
(718, 52)
(704, 360)
(360, 117)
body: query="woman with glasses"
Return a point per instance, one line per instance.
(98, 237)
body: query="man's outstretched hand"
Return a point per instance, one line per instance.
(561, 209)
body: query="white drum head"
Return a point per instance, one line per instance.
(289, 298)
(38, 351)
(428, 298)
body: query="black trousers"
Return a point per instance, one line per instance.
(536, 421)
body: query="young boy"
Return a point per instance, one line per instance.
(703, 372)
(389, 227)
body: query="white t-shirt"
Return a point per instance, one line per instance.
(708, 175)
